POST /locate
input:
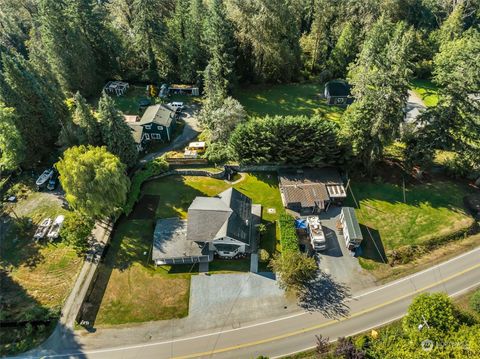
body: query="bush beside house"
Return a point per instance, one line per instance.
(153, 168)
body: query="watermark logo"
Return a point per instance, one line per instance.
(427, 345)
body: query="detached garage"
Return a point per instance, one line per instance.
(351, 229)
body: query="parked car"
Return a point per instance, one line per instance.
(53, 182)
(178, 106)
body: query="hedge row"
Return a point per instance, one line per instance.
(288, 234)
(153, 168)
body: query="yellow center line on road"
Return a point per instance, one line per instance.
(323, 325)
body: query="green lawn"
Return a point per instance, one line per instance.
(177, 193)
(35, 277)
(427, 91)
(289, 99)
(128, 103)
(430, 210)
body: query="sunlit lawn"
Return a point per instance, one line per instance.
(427, 91)
(430, 210)
(287, 99)
(136, 290)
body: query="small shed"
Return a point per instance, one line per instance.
(351, 229)
(337, 92)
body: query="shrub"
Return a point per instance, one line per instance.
(264, 255)
(475, 301)
(76, 229)
(288, 234)
(288, 140)
(153, 168)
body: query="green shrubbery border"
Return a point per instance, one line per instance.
(288, 234)
(153, 168)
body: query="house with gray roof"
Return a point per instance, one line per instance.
(224, 225)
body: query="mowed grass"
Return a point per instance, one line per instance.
(287, 99)
(136, 292)
(427, 91)
(139, 292)
(430, 210)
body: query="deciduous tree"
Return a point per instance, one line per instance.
(94, 180)
(295, 270)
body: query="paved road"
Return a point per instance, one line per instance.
(294, 332)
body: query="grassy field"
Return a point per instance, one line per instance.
(429, 210)
(289, 99)
(128, 103)
(135, 290)
(427, 91)
(36, 277)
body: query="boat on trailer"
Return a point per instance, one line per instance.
(44, 177)
(55, 228)
(43, 228)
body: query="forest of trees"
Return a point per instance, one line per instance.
(54, 54)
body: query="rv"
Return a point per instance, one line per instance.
(315, 231)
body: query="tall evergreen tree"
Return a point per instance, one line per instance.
(344, 51)
(268, 29)
(83, 117)
(194, 51)
(116, 134)
(91, 17)
(39, 106)
(380, 78)
(218, 35)
(12, 148)
(67, 49)
(150, 40)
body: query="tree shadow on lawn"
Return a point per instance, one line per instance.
(26, 323)
(326, 296)
(372, 245)
(17, 246)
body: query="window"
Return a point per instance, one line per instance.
(160, 127)
(147, 136)
(148, 127)
(156, 136)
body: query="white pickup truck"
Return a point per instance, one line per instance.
(315, 231)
